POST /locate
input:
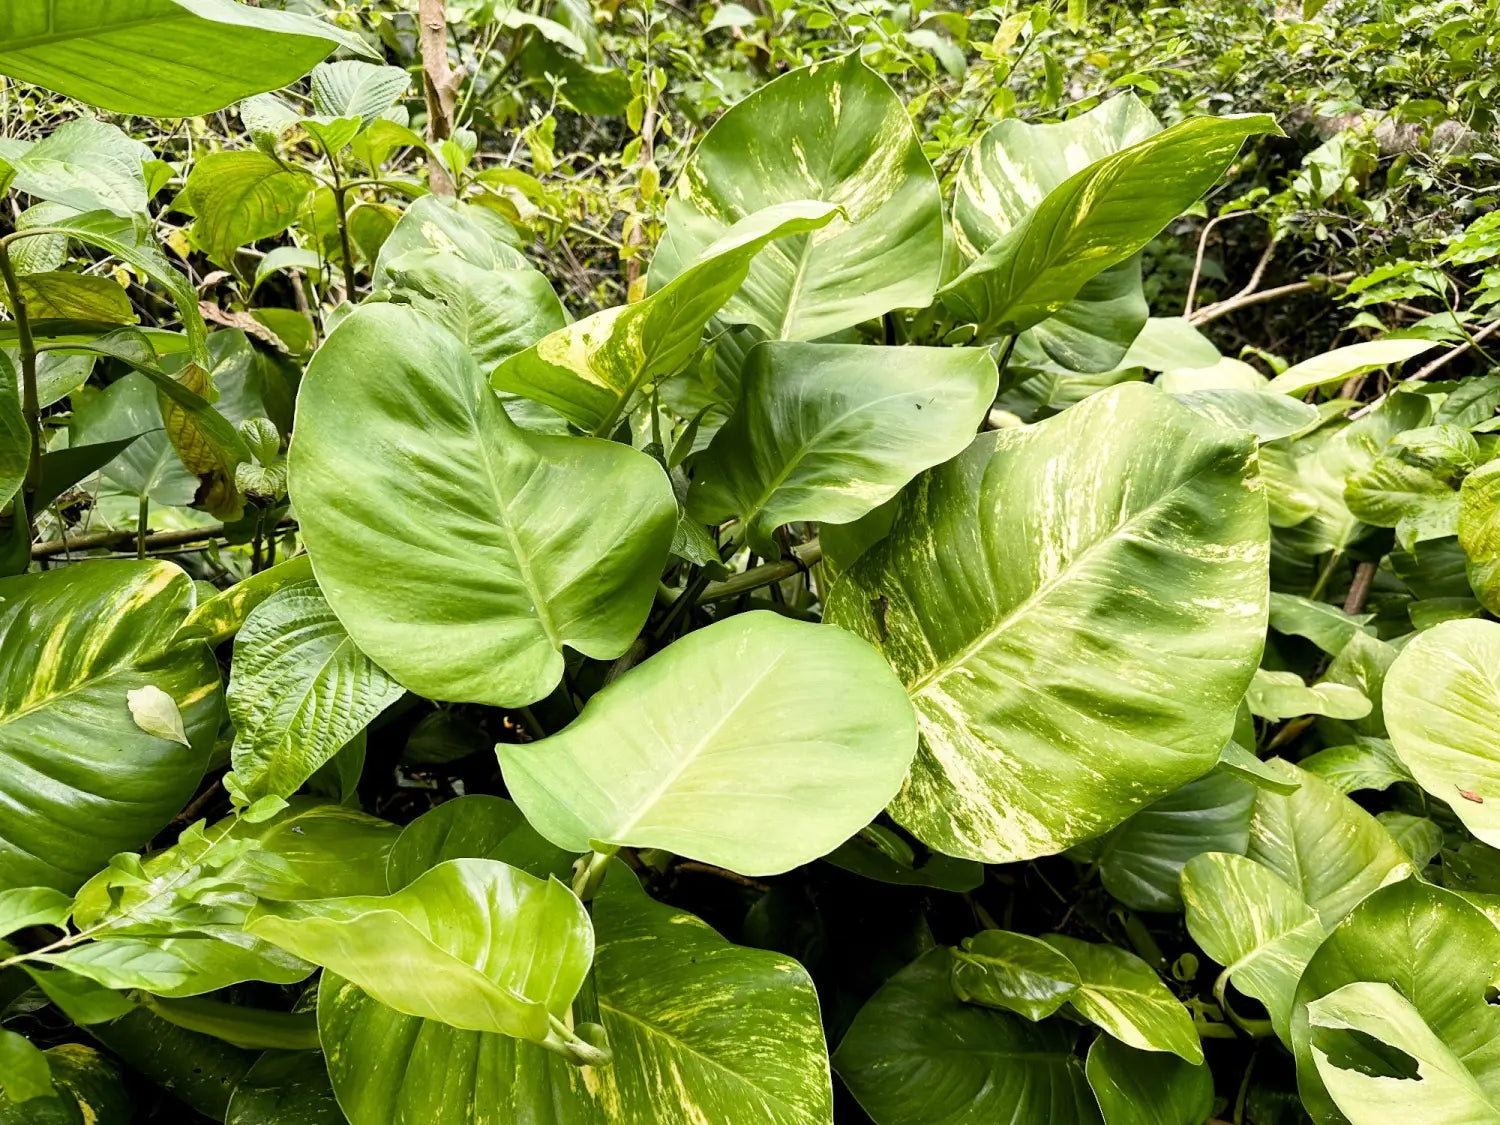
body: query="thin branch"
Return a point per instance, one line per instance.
(1187, 308)
(1223, 308)
(96, 539)
(1359, 589)
(1435, 365)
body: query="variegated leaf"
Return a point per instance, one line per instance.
(1076, 609)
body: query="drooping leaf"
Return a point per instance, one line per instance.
(80, 779)
(832, 132)
(1255, 924)
(1050, 708)
(149, 466)
(1411, 1074)
(32, 906)
(590, 371)
(1123, 995)
(1147, 1087)
(299, 690)
(917, 1055)
(24, 1073)
(161, 58)
(791, 738)
(831, 432)
(1022, 974)
(1442, 703)
(1094, 219)
(473, 943)
(1440, 956)
(534, 542)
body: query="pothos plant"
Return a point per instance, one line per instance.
(887, 535)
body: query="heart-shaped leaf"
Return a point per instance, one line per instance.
(525, 543)
(757, 744)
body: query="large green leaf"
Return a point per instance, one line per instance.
(732, 1033)
(1009, 172)
(1147, 1087)
(1341, 363)
(917, 1055)
(173, 924)
(461, 552)
(1140, 861)
(162, 58)
(1123, 995)
(832, 431)
(757, 744)
(1096, 218)
(1051, 705)
(79, 779)
(299, 691)
(496, 311)
(590, 371)
(833, 132)
(285, 1088)
(473, 942)
(1442, 706)
(1441, 956)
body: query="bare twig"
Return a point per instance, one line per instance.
(1234, 304)
(1187, 308)
(1430, 368)
(1359, 589)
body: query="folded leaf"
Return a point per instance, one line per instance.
(473, 943)
(1095, 219)
(590, 371)
(833, 132)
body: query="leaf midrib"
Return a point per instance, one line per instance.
(944, 668)
(181, 15)
(685, 1048)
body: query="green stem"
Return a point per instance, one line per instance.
(590, 872)
(1325, 574)
(566, 1042)
(140, 526)
(339, 194)
(30, 409)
